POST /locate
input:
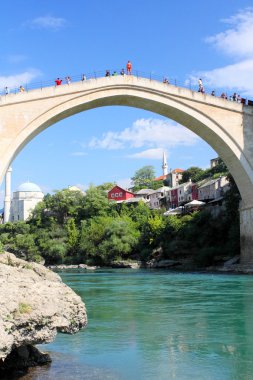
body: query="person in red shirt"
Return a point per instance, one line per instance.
(58, 82)
(129, 68)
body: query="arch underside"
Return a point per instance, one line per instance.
(201, 124)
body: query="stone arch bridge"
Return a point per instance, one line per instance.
(226, 126)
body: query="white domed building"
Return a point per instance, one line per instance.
(24, 201)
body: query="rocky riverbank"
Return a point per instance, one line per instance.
(34, 305)
(71, 266)
(231, 265)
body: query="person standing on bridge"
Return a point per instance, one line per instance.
(68, 79)
(58, 82)
(201, 87)
(129, 68)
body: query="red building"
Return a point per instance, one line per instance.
(194, 192)
(117, 193)
(174, 198)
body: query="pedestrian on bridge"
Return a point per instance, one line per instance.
(129, 68)
(201, 87)
(58, 82)
(68, 79)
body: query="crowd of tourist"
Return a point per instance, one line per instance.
(235, 97)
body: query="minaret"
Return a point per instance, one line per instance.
(165, 166)
(7, 198)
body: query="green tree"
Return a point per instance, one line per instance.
(95, 203)
(194, 173)
(106, 186)
(151, 229)
(157, 184)
(120, 239)
(63, 204)
(24, 247)
(56, 252)
(139, 214)
(72, 236)
(91, 236)
(143, 177)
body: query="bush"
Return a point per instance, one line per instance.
(205, 256)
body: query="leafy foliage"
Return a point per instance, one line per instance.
(143, 178)
(68, 227)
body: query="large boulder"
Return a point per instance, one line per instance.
(34, 305)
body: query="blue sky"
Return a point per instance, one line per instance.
(44, 39)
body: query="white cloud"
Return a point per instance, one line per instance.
(16, 80)
(153, 154)
(236, 76)
(150, 133)
(48, 22)
(235, 42)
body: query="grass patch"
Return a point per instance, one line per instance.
(24, 308)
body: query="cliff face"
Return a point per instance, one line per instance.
(34, 305)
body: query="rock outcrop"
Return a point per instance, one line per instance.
(126, 264)
(34, 305)
(72, 266)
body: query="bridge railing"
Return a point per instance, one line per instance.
(83, 77)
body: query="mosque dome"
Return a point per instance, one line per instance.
(29, 186)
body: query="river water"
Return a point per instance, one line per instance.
(156, 325)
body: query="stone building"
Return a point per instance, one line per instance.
(173, 177)
(24, 201)
(213, 189)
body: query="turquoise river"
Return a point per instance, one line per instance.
(158, 325)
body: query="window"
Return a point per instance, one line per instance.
(120, 194)
(116, 195)
(112, 195)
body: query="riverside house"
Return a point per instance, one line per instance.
(158, 197)
(119, 194)
(212, 189)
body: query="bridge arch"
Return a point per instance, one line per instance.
(225, 126)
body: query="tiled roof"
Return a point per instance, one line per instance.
(160, 178)
(121, 188)
(144, 191)
(177, 171)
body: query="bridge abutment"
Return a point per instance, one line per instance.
(246, 235)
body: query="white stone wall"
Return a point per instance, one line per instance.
(23, 203)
